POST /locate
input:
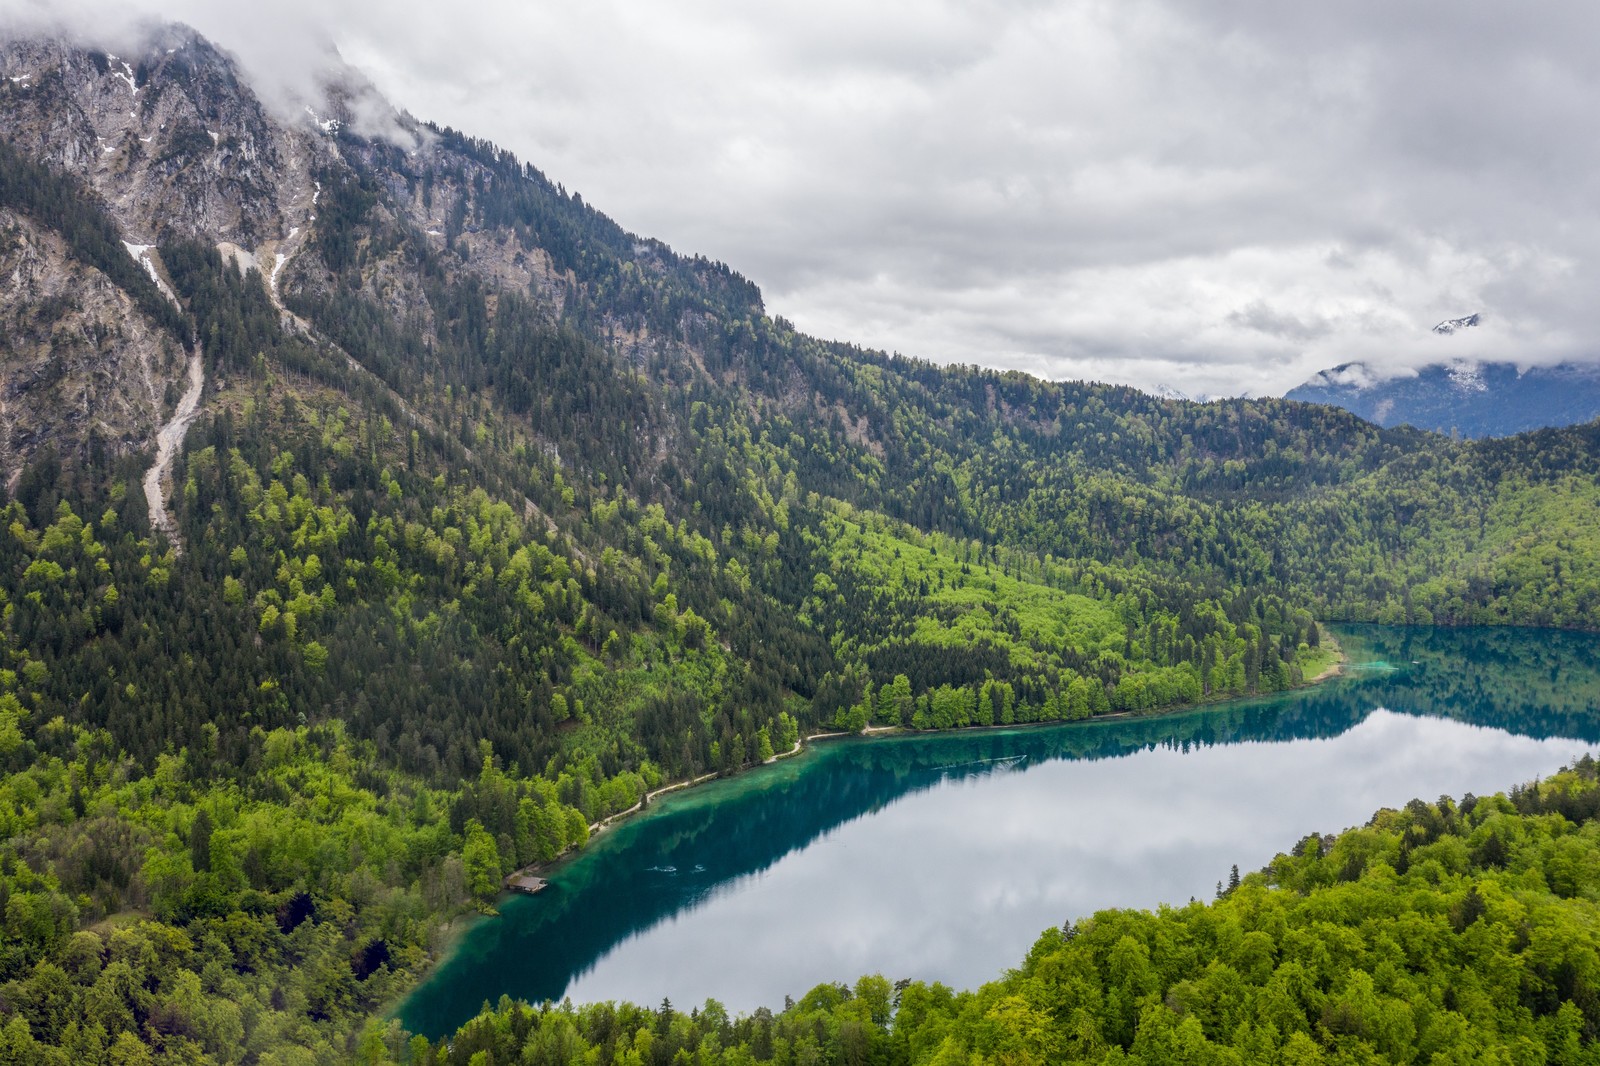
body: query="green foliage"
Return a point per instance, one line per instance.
(224, 919)
(1443, 932)
(471, 564)
(953, 633)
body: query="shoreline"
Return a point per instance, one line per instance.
(539, 869)
(457, 927)
(1332, 671)
(450, 933)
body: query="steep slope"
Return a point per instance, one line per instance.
(1474, 400)
(495, 515)
(172, 139)
(92, 340)
(80, 361)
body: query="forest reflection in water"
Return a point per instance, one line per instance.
(942, 856)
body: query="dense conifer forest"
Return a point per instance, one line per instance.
(462, 569)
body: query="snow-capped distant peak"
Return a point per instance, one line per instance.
(1450, 325)
(1170, 392)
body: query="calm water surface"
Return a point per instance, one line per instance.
(943, 857)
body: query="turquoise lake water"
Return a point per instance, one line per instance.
(942, 857)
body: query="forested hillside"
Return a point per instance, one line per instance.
(1444, 932)
(496, 515)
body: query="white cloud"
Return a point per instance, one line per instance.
(1223, 196)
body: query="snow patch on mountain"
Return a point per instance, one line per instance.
(125, 74)
(141, 255)
(1466, 376)
(329, 126)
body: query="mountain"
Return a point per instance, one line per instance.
(381, 517)
(1453, 325)
(1473, 399)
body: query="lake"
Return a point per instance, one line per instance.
(942, 857)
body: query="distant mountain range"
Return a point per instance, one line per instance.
(1473, 399)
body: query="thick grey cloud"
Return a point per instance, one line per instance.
(1219, 195)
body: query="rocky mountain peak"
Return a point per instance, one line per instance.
(171, 137)
(1453, 325)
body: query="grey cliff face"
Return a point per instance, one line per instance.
(80, 362)
(172, 138)
(175, 146)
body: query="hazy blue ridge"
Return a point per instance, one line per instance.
(1486, 400)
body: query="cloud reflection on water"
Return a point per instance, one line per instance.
(943, 856)
(955, 882)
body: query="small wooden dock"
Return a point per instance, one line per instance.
(522, 881)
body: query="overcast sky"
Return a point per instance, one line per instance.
(1222, 196)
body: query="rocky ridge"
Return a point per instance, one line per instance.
(172, 144)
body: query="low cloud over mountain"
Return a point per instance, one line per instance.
(1220, 196)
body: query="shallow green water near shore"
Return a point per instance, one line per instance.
(942, 857)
